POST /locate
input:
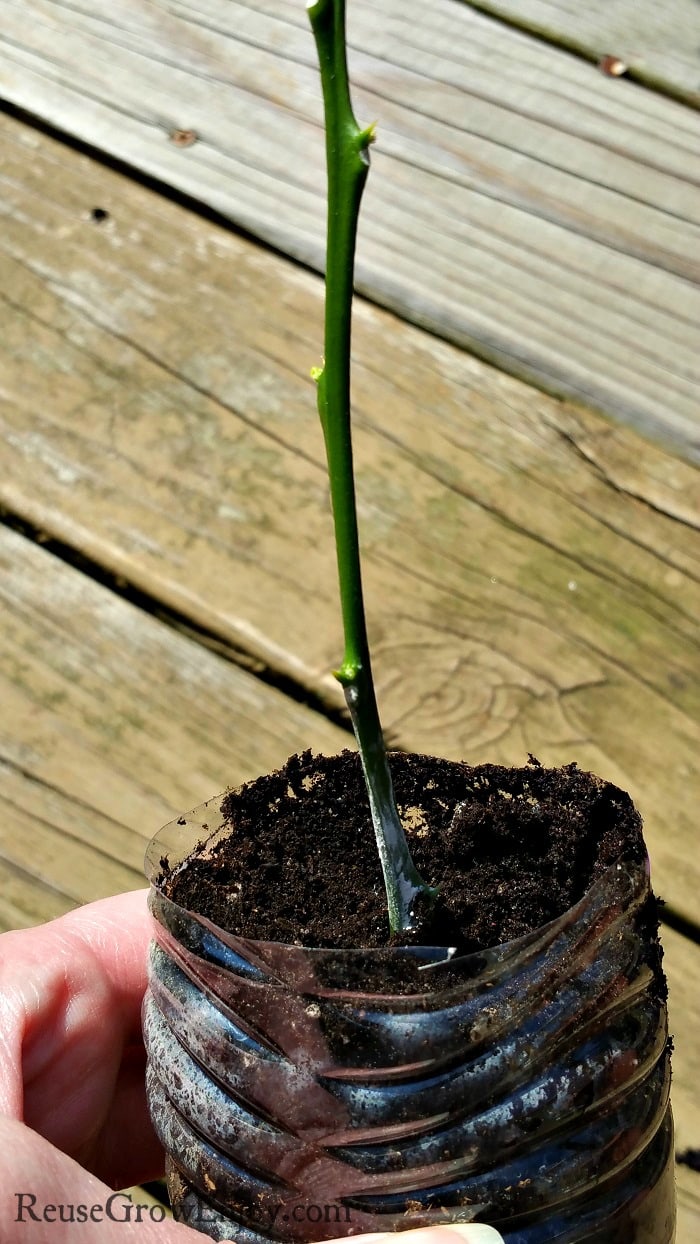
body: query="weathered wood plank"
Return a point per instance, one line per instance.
(533, 572)
(25, 900)
(523, 205)
(112, 723)
(688, 1192)
(109, 717)
(682, 964)
(660, 44)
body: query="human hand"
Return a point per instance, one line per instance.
(74, 1123)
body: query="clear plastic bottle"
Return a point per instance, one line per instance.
(303, 1094)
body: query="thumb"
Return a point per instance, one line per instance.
(449, 1233)
(47, 1198)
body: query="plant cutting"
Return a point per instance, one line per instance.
(458, 1017)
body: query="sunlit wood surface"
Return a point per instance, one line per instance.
(527, 431)
(524, 204)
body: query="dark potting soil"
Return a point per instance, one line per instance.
(510, 849)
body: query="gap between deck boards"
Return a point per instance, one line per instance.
(241, 659)
(160, 419)
(80, 850)
(210, 638)
(593, 32)
(523, 205)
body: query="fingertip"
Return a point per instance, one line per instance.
(475, 1233)
(445, 1233)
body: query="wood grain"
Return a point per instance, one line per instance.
(112, 724)
(533, 572)
(682, 964)
(660, 44)
(688, 1194)
(522, 204)
(112, 721)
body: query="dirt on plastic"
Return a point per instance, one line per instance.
(509, 848)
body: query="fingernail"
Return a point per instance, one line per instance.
(475, 1233)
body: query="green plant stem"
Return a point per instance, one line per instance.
(347, 164)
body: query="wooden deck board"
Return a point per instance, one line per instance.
(660, 44)
(682, 964)
(688, 1192)
(84, 782)
(522, 204)
(25, 900)
(112, 724)
(533, 572)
